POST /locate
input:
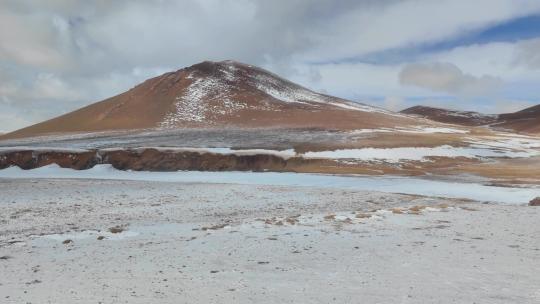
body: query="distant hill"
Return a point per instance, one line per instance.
(527, 120)
(218, 94)
(466, 118)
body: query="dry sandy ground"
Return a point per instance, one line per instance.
(214, 243)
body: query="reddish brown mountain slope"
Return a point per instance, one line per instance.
(527, 120)
(218, 94)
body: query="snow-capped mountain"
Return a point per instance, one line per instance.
(214, 95)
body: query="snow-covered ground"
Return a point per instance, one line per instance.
(396, 155)
(193, 242)
(480, 147)
(503, 145)
(197, 138)
(417, 130)
(389, 184)
(281, 142)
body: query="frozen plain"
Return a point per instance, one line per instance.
(213, 241)
(245, 237)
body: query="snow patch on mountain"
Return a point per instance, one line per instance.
(216, 93)
(193, 105)
(468, 114)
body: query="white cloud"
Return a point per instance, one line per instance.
(372, 28)
(499, 59)
(350, 79)
(448, 78)
(13, 117)
(394, 103)
(88, 50)
(528, 54)
(510, 106)
(503, 60)
(24, 41)
(44, 86)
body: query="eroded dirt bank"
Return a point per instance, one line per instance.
(501, 171)
(152, 160)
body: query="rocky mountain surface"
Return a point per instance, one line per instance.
(214, 95)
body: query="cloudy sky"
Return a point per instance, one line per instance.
(58, 55)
